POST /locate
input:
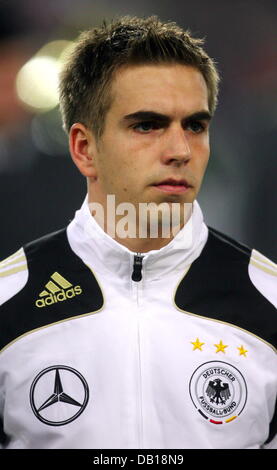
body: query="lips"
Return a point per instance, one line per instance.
(173, 182)
(173, 185)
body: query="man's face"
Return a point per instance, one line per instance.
(155, 143)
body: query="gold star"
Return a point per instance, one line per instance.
(220, 347)
(242, 351)
(197, 344)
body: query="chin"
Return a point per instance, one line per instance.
(175, 198)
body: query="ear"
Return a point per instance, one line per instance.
(83, 148)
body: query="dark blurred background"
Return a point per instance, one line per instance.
(40, 187)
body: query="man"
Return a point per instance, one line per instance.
(163, 338)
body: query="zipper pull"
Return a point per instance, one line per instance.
(137, 275)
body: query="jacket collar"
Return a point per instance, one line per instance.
(101, 252)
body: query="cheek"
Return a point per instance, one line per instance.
(118, 173)
(202, 150)
(205, 159)
(203, 166)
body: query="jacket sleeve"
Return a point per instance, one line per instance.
(13, 277)
(263, 274)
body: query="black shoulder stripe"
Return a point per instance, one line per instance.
(218, 286)
(221, 236)
(59, 286)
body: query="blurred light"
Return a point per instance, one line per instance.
(37, 81)
(54, 48)
(66, 52)
(48, 135)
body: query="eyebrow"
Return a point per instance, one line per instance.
(154, 116)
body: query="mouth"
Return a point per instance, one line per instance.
(172, 185)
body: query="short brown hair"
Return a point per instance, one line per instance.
(86, 79)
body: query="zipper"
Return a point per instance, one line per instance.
(137, 268)
(136, 276)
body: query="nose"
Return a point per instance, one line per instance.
(176, 149)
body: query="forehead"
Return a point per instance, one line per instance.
(169, 89)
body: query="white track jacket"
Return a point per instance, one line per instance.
(105, 348)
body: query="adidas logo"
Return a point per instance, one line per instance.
(56, 290)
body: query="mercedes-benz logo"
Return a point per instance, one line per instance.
(50, 403)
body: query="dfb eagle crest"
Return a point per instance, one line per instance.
(218, 392)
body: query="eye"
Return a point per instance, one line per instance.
(145, 126)
(195, 126)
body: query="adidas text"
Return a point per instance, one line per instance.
(60, 297)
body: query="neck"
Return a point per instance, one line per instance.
(134, 230)
(143, 245)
